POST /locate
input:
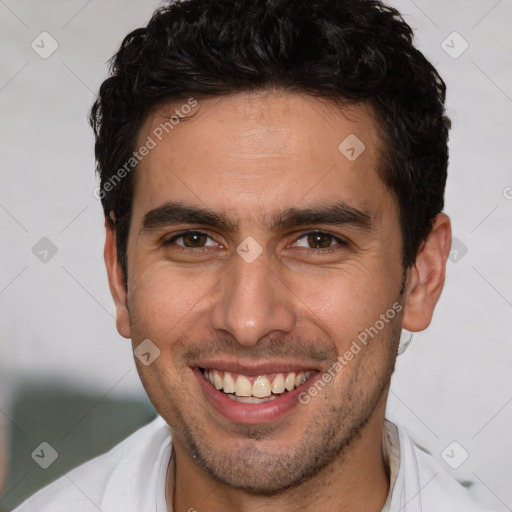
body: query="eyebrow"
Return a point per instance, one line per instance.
(337, 214)
(172, 213)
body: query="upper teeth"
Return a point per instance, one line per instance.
(261, 387)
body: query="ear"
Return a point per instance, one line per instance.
(116, 281)
(426, 277)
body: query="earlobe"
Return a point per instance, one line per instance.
(116, 281)
(426, 277)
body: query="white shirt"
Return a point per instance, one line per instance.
(132, 478)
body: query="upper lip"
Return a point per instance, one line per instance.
(254, 368)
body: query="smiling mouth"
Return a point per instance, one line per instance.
(255, 390)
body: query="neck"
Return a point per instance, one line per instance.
(356, 481)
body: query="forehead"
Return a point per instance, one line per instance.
(251, 152)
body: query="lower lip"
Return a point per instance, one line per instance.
(250, 414)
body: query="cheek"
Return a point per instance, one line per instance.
(344, 301)
(165, 302)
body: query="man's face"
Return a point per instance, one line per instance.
(258, 249)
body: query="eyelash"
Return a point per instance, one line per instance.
(184, 233)
(340, 242)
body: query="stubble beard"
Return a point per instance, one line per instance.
(253, 468)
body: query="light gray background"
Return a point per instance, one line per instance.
(57, 318)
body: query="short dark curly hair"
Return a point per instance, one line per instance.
(345, 51)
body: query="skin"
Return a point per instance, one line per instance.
(248, 157)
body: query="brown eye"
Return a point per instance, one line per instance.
(318, 240)
(194, 239)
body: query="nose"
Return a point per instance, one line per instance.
(252, 302)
